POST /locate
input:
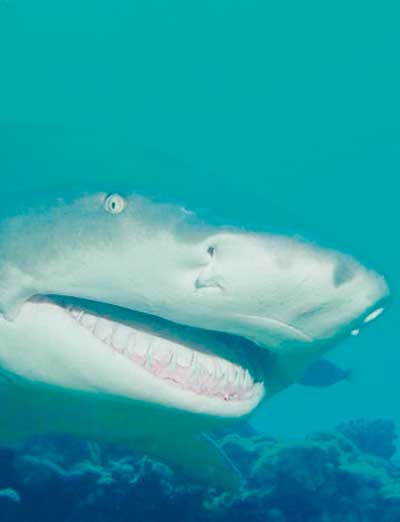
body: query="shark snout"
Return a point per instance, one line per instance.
(371, 295)
(356, 297)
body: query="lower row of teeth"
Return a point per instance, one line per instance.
(203, 374)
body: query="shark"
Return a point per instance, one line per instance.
(131, 321)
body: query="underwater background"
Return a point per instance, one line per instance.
(281, 116)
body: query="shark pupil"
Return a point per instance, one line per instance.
(115, 204)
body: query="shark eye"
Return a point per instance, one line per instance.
(211, 251)
(115, 204)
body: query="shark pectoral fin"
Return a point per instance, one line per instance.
(199, 458)
(15, 288)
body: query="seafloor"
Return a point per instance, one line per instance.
(348, 475)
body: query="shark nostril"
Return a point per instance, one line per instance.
(344, 271)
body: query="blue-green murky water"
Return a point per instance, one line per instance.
(269, 114)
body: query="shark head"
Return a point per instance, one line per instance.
(122, 297)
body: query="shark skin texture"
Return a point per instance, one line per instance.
(131, 321)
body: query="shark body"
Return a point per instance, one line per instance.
(129, 321)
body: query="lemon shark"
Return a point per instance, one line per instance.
(131, 321)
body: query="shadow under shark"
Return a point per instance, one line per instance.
(129, 321)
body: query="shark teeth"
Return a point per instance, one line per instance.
(201, 373)
(102, 329)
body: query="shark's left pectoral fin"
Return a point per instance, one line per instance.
(198, 457)
(15, 288)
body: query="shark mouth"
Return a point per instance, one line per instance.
(207, 363)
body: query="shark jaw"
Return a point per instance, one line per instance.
(192, 368)
(136, 356)
(75, 344)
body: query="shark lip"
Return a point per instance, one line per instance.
(210, 364)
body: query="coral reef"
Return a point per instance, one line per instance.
(343, 476)
(377, 437)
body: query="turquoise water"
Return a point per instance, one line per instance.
(274, 115)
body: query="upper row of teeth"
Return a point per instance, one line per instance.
(150, 349)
